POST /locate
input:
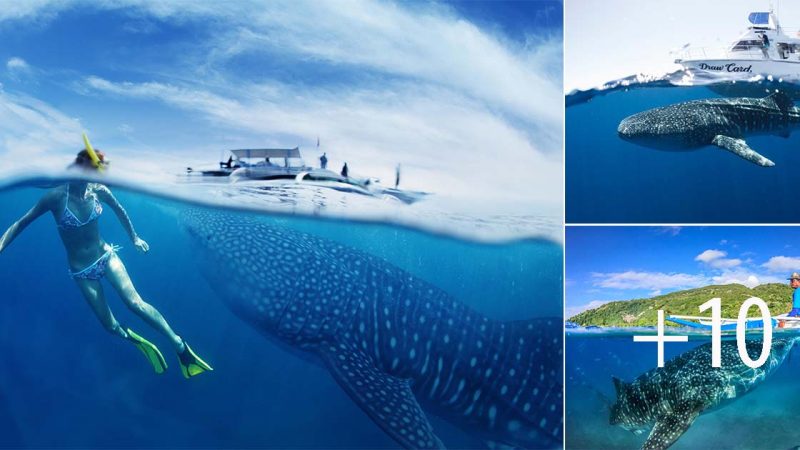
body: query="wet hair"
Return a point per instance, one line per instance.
(84, 161)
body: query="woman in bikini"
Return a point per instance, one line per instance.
(76, 207)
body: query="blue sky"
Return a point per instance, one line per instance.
(621, 263)
(609, 39)
(450, 90)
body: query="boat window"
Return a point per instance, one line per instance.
(747, 45)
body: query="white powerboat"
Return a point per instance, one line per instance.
(271, 164)
(764, 49)
(257, 164)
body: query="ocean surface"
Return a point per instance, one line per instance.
(609, 180)
(764, 418)
(66, 382)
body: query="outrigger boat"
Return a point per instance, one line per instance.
(704, 323)
(764, 49)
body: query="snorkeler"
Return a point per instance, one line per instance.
(794, 282)
(76, 206)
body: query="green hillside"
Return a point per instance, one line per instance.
(643, 312)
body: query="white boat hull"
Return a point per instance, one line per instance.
(742, 68)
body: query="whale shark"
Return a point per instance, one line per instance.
(723, 122)
(396, 344)
(670, 398)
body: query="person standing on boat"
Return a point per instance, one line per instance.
(794, 282)
(345, 170)
(323, 161)
(765, 47)
(76, 207)
(397, 176)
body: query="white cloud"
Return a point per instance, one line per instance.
(672, 231)
(32, 132)
(744, 277)
(18, 69)
(425, 42)
(17, 64)
(717, 260)
(572, 311)
(783, 264)
(647, 280)
(710, 255)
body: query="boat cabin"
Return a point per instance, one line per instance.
(764, 39)
(264, 157)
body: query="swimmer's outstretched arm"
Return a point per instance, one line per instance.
(41, 207)
(105, 195)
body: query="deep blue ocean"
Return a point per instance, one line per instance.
(66, 382)
(765, 418)
(609, 180)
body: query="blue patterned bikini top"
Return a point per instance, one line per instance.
(70, 220)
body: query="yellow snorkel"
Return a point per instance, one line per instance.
(92, 155)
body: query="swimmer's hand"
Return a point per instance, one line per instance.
(141, 245)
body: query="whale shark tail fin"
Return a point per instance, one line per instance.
(387, 400)
(670, 427)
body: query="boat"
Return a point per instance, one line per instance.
(704, 323)
(763, 49)
(258, 164)
(286, 165)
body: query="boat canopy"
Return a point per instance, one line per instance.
(763, 20)
(266, 153)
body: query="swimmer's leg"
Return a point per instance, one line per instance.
(119, 279)
(92, 290)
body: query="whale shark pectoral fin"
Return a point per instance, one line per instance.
(387, 400)
(669, 428)
(739, 147)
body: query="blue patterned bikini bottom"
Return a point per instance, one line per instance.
(97, 269)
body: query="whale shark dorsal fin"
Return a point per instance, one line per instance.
(619, 385)
(782, 101)
(740, 148)
(669, 428)
(387, 400)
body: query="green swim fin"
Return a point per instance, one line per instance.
(150, 351)
(191, 364)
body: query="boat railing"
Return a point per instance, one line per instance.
(719, 53)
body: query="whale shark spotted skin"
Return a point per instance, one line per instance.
(671, 397)
(724, 122)
(392, 341)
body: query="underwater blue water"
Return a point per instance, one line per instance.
(765, 418)
(65, 382)
(609, 180)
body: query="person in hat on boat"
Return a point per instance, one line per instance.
(794, 282)
(76, 207)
